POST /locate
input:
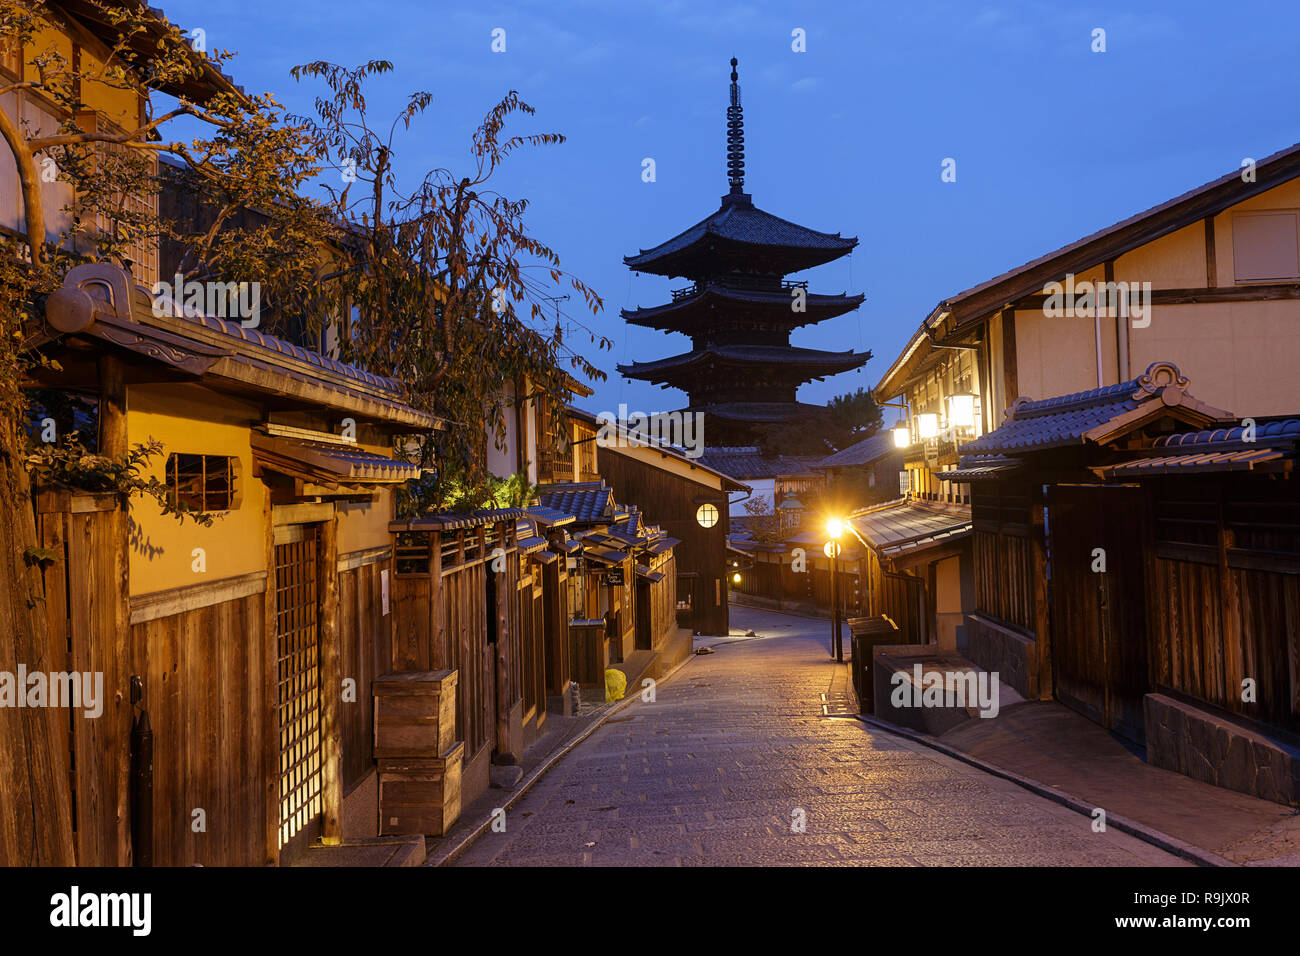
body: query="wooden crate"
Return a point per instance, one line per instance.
(420, 794)
(415, 714)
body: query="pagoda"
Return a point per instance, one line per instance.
(742, 372)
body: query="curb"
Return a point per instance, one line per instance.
(1158, 839)
(450, 856)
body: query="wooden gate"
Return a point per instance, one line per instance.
(297, 651)
(1098, 617)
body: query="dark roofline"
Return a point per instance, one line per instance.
(1093, 250)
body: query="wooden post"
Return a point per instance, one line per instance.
(504, 652)
(1234, 663)
(271, 695)
(1042, 610)
(112, 408)
(331, 683)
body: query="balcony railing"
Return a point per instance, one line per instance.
(740, 284)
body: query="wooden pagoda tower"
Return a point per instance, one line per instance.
(742, 372)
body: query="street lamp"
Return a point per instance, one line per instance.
(835, 528)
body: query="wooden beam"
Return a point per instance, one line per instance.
(1010, 378)
(1263, 292)
(112, 408)
(191, 597)
(331, 683)
(1211, 261)
(270, 696)
(1042, 609)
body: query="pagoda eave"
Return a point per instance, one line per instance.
(792, 364)
(713, 304)
(758, 413)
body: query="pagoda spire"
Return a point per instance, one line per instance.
(735, 136)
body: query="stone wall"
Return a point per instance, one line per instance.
(1013, 656)
(1204, 746)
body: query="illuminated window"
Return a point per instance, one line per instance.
(707, 515)
(201, 482)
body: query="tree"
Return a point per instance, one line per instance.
(763, 522)
(249, 152)
(848, 418)
(448, 282)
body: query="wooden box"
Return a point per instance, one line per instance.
(420, 794)
(415, 714)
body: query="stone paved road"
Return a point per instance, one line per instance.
(714, 770)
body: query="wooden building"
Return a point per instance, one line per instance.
(1208, 280)
(1137, 556)
(251, 642)
(742, 372)
(689, 499)
(622, 575)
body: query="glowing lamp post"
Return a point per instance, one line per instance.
(835, 528)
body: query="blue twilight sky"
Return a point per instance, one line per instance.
(1052, 141)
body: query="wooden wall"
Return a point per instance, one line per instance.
(1004, 578)
(85, 603)
(364, 633)
(670, 501)
(205, 690)
(1223, 596)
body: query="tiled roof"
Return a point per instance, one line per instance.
(454, 521)
(1212, 450)
(743, 461)
(760, 411)
(906, 527)
(743, 222)
(1284, 430)
(550, 516)
(824, 362)
(870, 449)
(977, 467)
(1092, 415)
(587, 501)
(329, 461)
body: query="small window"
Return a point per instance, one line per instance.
(201, 482)
(1266, 245)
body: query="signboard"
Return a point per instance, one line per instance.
(613, 577)
(383, 589)
(831, 549)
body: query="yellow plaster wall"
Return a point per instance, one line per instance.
(1175, 261)
(189, 419)
(364, 525)
(1239, 356)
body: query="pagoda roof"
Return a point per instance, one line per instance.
(815, 361)
(747, 228)
(760, 413)
(687, 311)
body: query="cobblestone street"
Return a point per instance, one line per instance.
(735, 750)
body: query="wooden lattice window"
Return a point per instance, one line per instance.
(144, 251)
(201, 482)
(298, 681)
